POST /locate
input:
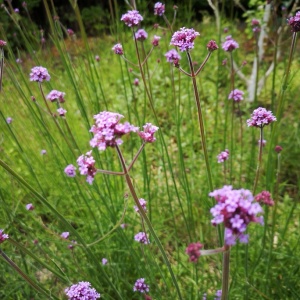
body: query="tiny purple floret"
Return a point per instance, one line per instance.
(65, 235)
(118, 49)
(230, 44)
(141, 286)
(55, 95)
(141, 35)
(236, 95)
(261, 117)
(223, 156)
(3, 236)
(132, 18)
(159, 9)
(148, 134)
(70, 170)
(39, 74)
(172, 56)
(142, 238)
(81, 291)
(29, 206)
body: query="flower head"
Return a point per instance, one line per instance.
(223, 156)
(142, 238)
(159, 9)
(212, 46)
(235, 208)
(43, 152)
(141, 286)
(70, 32)
(148, 134)
(193, 251)
(39, 74)
(184, 38)
(108, 130)
(294, 22)
(62, 112)
(29, 206)
(3, 236)
(230, 44)
(70, 170)
(65, 235)
(143, 203)
(86, 164)
(97, 58)
(104, 261)
(141, 35)
(2, 43)
(81, 291)
(136, 81)
(55, 95)
(264, 142)
(264, 198)
(172, 56)
(261, 117)
(9, 120)
(236, 95)
(118, 49)
(278, 149)
(155, 41)
(132, 18)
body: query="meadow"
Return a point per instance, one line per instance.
(135, 160)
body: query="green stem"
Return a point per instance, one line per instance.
(259, 160)
(225, 273)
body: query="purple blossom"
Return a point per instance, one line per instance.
(236, 95)
(230, 44)
(2, 43)
(184, 38)
(193, 251)
(71, 246)
(264, 198)
(141, 35)
(16, 10)
(264, 142)
(123, 226)
(143, 203)
(86, 164)
(278, 149)
(108, 131)
(3, 236)
(132, 18)
(62, 112)
(104, 261)
(261, 117)
(19, 60)
(218, 295)
(159, 9)
(118, 49)
(81, 291)
(39, 74)
(212, 46)
(55, 95)
(223, 156)
(255, 22)
(9, 120)
(97, 58)
(136, 81)
(172, 56)
(294, 22)
(155, 41)
(29, 206)
(70, 32)
(148, 134)
(43, 152)
(141, 286)
(70, 170)
(65, 235)
(235, 208)
(142, 238)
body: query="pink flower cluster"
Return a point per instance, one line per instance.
(230, 44)
(264, 198)
(81, 290)
(223, 156)
(159, 8)
(118, 49)
(148, 134)
(141, 35)
(143, 203)
(3, 236)
(212, 46)
(184, 38)
(86, 164)
(2, 43)
(236, 95)
(294, 22)
(142, 238)
(132, 18)
(193, 251)
(55, 95)
(172, 56)
(235, 208)
(70, 171)
(261, 117)
(255, 25)
(39, 74)
(155, 41)
(141, 286)
(108, 131)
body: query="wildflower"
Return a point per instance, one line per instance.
(264, 142)
(148, 134)
(224, 62)
(236, 95)
(70, 171)
(184, 38)
(118, 49)
(43, 152)
(123, 226)
(142, 238)
(235, 208)
(193, 251)
(230, 44)
(218, 295)
(86, 165)
(35, 242)
(159, 9)
(19, 60)
(256, 29)
(141, 286)
(265, 198)
(143, 203)
(104, 261)
(294, 22)
(261, 117)
(97, 58)
(9, 120)
(172, 56)
(39, 74)
(71, 246)
(132, 18)
(225, 30)
(278, 149)
(2, 43)
(223, 156)
(29, 206)
(81, 291)
(136, 82)
(16, 10)
(55, 95)
(3, 236)
(155, 41)
(70, 32)
(62, 112)
(65, 235)
(212, 46)
(141, 35)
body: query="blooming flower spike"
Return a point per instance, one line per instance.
(81, 291)
(184, 38)
(39, 74)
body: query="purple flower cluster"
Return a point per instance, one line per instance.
(81, 291)
(143, 203)
(86, 164)
(141, 286)
(55, 95)
(193, 251)
(108, 131)
(184, 38)
(65, 235)
(235, 208)
(261, 117)
(9, 120)
(172, 56)
(230, 44)
(2, 43)
(265, 198)
(224, 155)
(142, 238)
(294, 22)
(159, 9)
(236, 95)
(70, 171)
(264, 142)
(141, 35)
(39, 74)
(118, 49)
(62, 112)
(3, 236)
(29, 206)
(255, 25)
(155, 41)
(212, 46)
(132, 18)
(148, 134)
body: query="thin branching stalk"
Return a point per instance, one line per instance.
(259, 160)
(225, 273)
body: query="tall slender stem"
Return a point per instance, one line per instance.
(225, 273)
(259, 160)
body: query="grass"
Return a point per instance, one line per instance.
(170, 173)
